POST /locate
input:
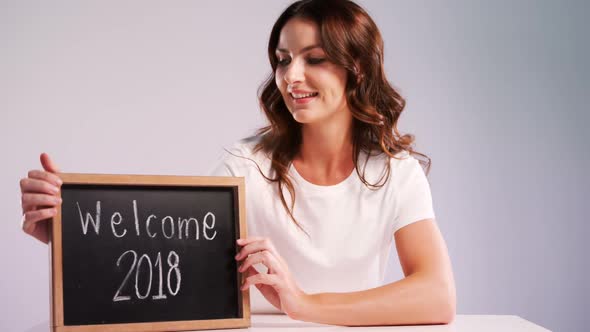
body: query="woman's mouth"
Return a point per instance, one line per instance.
(303, 98)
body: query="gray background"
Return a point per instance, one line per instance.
(495, 96)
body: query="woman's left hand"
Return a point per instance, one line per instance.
(277, 285)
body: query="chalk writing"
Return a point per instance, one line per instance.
(169, 226)
(173, 264)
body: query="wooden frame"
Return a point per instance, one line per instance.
(56, 275)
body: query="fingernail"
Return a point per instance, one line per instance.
(54, 190)
(59, 182)
(58, 199)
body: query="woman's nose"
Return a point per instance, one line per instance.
(294, 73)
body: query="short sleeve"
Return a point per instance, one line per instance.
(413, 196)
(234, 160)
(222, 166)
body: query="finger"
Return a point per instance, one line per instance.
(262, 278)
(48, 164)
(267, 291)
(29, 199)
(251, 272)
(249, 240)
(262, 257)
(255, 245)
(259, 244)
(31, 218)
(45, 176)
(28, 185)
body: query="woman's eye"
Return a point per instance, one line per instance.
(315, 61)
(311, 61)
(282, 62)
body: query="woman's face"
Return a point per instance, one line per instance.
(312, 87)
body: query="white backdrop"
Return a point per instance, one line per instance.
(495, 97)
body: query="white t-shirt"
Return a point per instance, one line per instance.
(350, 226)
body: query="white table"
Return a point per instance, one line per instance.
(462, 323)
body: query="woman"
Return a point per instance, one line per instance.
(330, 182)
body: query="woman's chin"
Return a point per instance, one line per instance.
(303, 115)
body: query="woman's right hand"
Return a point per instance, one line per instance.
(39, 198)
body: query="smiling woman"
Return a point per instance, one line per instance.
(330, 182)
(299, 54)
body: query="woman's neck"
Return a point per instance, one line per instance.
(325, 151)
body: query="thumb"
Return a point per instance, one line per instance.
(48, 164)
(269, 293)
(251, 271)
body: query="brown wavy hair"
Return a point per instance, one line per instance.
(351, 39)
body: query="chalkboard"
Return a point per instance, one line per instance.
(148, 253)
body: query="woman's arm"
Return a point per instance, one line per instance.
(425, 296)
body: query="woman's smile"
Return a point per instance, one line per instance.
(302, 97)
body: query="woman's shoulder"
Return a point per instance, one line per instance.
(403, 159)
(378, 159)
(400, 165)
(236, 158)
(244, 145)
